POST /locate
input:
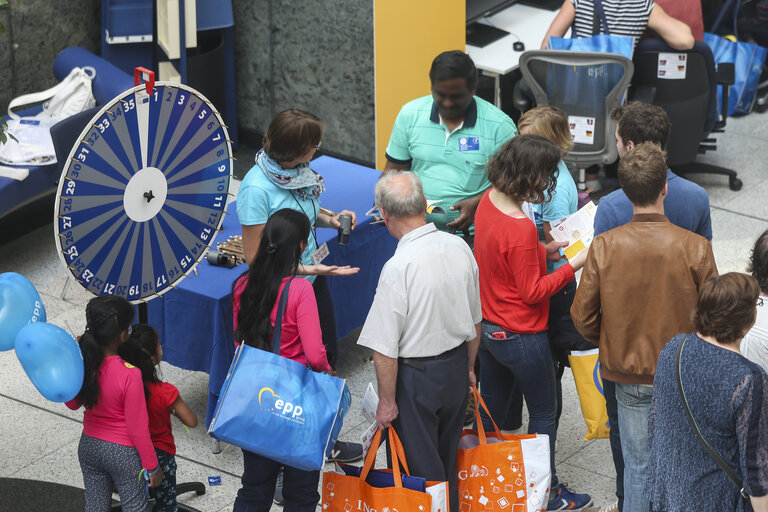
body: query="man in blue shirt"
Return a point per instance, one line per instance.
(686, 205)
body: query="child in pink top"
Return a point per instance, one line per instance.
(115, 445)
(255, 298)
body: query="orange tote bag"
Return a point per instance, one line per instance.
(343, 493)
(504, 472)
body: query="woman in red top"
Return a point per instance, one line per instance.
(515, 290)
(144, 351)
(115, 445)
(255, 301)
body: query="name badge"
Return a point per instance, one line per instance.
(469, 143)
(320, 254)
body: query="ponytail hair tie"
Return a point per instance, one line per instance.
(271, 248)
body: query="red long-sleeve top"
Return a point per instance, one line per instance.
(301, 339)
(514, 285)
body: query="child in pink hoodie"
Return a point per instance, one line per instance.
(115, 445)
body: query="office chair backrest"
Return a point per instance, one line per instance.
(689, 98)
(587, 86)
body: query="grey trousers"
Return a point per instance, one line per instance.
(102, 463)
(432, 398)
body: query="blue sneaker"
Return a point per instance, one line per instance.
(566, 499)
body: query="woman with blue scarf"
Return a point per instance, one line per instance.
(283, 178)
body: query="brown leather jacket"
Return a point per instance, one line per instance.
(638, 289)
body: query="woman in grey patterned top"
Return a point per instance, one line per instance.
(728, 398)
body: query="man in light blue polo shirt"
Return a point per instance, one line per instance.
(447, 139)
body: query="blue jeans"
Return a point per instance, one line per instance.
(509, 359)
(259, 480)
(634, 403)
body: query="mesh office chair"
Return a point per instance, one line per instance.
(587, 86)
(690, 102)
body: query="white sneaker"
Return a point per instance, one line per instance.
(606, 508)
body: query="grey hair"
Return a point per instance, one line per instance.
(400, 194)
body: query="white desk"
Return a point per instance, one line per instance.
(524, 23)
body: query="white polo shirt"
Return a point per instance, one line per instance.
(428, 298)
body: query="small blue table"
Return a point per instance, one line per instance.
(194, 321)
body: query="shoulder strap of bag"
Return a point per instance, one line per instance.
(720, 462)
(600, 12)
(277, 330)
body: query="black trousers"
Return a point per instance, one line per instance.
(432, 398)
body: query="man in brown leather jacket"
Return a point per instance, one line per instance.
(638, 289)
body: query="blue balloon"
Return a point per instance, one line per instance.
(52, 360)
(20, 304)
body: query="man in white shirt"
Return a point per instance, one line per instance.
(424, 329)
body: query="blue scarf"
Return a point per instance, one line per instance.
(302, 179)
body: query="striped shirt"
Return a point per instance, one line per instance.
(624, 17)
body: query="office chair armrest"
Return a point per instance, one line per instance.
(643, 93)
(726, 73)
(726, 76)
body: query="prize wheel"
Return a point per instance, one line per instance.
(144, 191)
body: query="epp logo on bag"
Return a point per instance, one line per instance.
(271, 401)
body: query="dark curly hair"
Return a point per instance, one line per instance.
(726, 309)
(524, 168)
(758, 261)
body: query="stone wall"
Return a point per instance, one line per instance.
(36, 31)
(315, 55)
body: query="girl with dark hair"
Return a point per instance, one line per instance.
(283, 178)
(143, 350)
(754, 346)
(115, 445)
(515, 290)
(255, 302)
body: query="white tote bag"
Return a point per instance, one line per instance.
(69, 97)
(30, 142)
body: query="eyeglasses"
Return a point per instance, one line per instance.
(318, 145)
(374, 212)
(759, 302)
(130, 329)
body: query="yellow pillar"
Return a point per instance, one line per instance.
(408, 35)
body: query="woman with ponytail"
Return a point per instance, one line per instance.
(115, 446)
(255, 302)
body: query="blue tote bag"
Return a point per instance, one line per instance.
(278, 408)
(748, 60)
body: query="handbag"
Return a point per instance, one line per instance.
(381, 490)
(502, 471)
(278, 408)
(585, 365)
(30, 142)
(712, 453)
(71, 96)
(748, 60)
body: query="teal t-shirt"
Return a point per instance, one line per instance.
(452, 165)
(564, 202)
(258, 198)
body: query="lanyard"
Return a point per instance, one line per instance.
(314, 211)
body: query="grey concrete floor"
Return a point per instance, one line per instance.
(39, 438)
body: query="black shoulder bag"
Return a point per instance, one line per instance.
(720, 462)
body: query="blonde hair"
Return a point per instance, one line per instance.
(549, 122)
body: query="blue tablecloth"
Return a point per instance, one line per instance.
(195, 320)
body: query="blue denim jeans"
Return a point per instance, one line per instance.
(634, 403)
(509, 359)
